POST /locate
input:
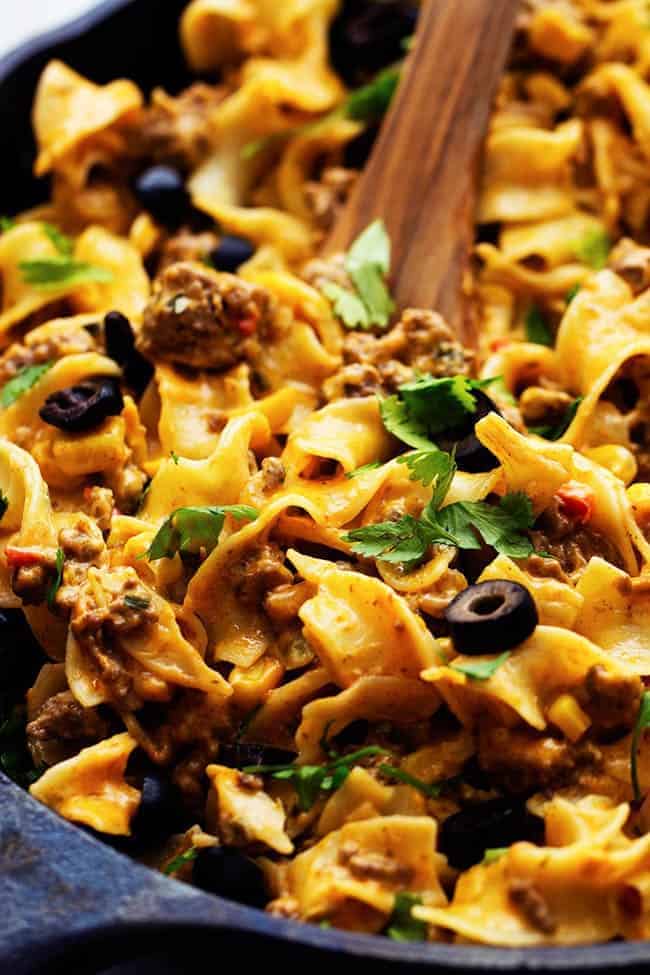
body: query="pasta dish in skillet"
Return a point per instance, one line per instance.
(303, 601)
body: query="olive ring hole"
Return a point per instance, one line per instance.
(486, 605)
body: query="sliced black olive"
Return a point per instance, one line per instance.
(161, 191)
(159, 813)
(120, 346)
(242, 754)
(490, 617)
(367, 36)
(83, 407)
(228, 873)
(465, 836)
(231, 253)
(471, 455)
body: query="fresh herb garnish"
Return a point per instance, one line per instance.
(372, 466)
(557, 430)
(6, 223)
(174, 456)
(367, 264)
(137, 602)
(4, 504)
(491, 856)
(175, 865)
(481, 669)
(427, 407)
(63, 243)
(55, 585)
(536, 328)
(594, 249)
(188, 530)
(402, 926)
(430, 790)
(572, 292)
(56, 272)
(22, 382)
(310, 780)
(642, 722)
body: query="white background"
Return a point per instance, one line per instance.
(21, 19)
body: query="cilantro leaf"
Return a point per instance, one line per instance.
(57, 272)
(402, 926)
(398, 421)
(187, 857)
(137, 602)
(555, 432)
(22, 382)
(4, 504)
(429, 789)
(491, 856)
(63, 243)
(55, 585)
(406, 540)
(371, 102)
(481, 669)
(441, 404)
(594, 249)
(430, 465)
(372, 466)
(642, 722)
(536, 328)
(191, 529)
(346, 306)
(502, 526)
(367, 262)
(571, 293)
(6, 223)
(174, 456)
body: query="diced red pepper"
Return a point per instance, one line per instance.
(497, 344)
(577, 501)
(17, 557)
(248, 326)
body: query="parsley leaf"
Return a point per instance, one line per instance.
(594, 249)
(402, 926)
(6, 223)
(4, 504)
(372, 466)
(22, 382)
(310, 780)
(346, 306)
(554, 432)
(191, 529)
(56, 272)
(429, 789)
(63, 243)
(481, 669)
(56, 582)
(175, 865)
(491, 856)
(536, 328)
(642, 722)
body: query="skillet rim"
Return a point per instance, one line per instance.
(615, 956)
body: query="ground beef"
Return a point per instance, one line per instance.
(34, 353)
(204, 319)
(61, 727)
(327, 197)
(632, 263)
(176, 130)
(261, 570)
(543, 407)
(570, 544)
(33, 572)
(529, 900)
(374, 866)
(187, 246)
(523, 761)
(273, 473)
(420, 342)
(611, 699)
(99, 504)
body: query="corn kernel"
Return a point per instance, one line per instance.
(566, 713)
(617, 459)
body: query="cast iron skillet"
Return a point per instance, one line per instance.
(68, 903)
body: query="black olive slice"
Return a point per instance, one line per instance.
(82, 407)
(465, 836)
(367, 36)
(490, 617)
(161, 191)
(158, 814)
(120, 346)
(228, 873)
(231, 253)
(471, 455)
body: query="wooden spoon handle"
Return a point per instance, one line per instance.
(421, 175)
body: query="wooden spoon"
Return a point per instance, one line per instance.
(421, 176)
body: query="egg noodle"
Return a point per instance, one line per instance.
(318, 588)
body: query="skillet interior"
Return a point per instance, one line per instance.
(69, 900)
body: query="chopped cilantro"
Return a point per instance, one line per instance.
(594, 249)
(536, 328)
(57, 272)
(557, 430)
(187, 857)
(402, 926)
(6, 223)
(56, 582)
(430, 790)
(174, 456)
(491, 856)
(63, 243)
(642, 722)
(481, 669)
(367, 263)
(572, 292)
(137, 602)
(191, 529)
(346, 306)
(372, 466)
(22, 382)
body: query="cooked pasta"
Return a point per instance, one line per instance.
(317, 608)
